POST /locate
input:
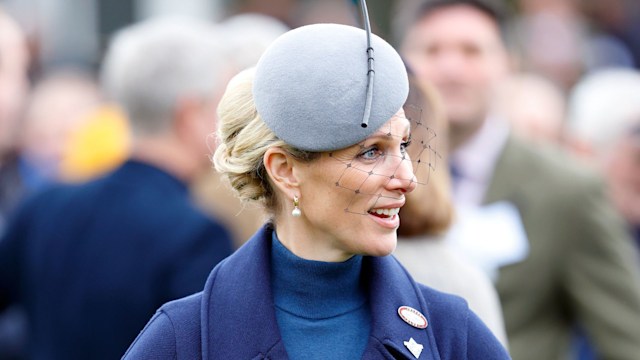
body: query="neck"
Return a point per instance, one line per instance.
(314, 289)
(166, 153)
(308, 246)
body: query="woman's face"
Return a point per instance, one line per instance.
(350, 198)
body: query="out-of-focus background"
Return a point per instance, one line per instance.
(554, 44)
(573, 86)
(560, 39)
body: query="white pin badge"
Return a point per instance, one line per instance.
(412, 317)
(414, 347)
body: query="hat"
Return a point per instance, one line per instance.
(310, 86)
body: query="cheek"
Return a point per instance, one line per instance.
(361, 181)
(621, 166)
(342, 193)
(421, 67)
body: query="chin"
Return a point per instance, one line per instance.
(383, 246)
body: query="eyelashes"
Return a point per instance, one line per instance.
(405, 145)
(370, 153)
(374, 152)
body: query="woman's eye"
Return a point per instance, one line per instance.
(370, 154)
(404, 146)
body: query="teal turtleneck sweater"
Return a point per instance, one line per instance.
(321, 308)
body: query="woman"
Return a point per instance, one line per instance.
(301, 136)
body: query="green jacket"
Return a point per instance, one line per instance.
(582, 267)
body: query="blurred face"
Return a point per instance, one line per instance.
(459, 50)
(350, 198)
(13, 79)
(57, 108)
(623, 171)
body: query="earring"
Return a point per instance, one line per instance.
(296, 210)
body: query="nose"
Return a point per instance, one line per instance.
(402, 178)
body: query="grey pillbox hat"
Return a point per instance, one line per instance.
(310, 86)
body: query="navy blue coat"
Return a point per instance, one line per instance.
(91, 263)
(234, 317)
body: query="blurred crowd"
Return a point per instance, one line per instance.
(536, 107)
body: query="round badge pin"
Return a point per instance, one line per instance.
(412, 317)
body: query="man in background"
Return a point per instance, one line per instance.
(605, 130)
(14, 62)
(91, 263)
(559, 253)
(14, 85)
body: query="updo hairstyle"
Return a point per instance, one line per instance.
(243, 139)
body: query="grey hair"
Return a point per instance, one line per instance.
(249, 35)
(150, 66)
(604, 105)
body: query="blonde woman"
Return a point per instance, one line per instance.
(299, 136)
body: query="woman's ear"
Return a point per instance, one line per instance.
(280, 167)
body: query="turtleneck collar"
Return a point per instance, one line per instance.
(314, 289)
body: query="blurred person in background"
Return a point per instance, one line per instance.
(60, 104)
(563, 39)
(605, 123)
(92, 262)
(428, 214)
(534, 107)
(555, 38)
(14, 84)
(616, 26)
(327, 11)
(549, 37)
(557, 249)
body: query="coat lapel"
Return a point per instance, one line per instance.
(238, 312)
(390, 287)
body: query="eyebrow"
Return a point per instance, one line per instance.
(383, 135)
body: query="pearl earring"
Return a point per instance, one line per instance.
(296, 210)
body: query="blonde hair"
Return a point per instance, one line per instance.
(429, 209)
(243, 139)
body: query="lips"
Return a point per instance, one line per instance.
(387, 218)
(384, 213)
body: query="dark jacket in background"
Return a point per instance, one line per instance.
(91, 263)
(12, 187)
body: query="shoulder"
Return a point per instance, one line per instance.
(156, 341)
(173, 332)
(184, 313)
(457, 328)
(47, 202)
(66, 201)
(551, 172)
(444, 307)
(553, 163)
(447, 312)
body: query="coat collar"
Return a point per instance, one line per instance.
(132, 170)
(238, 313)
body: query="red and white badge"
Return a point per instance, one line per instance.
(412, 317)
